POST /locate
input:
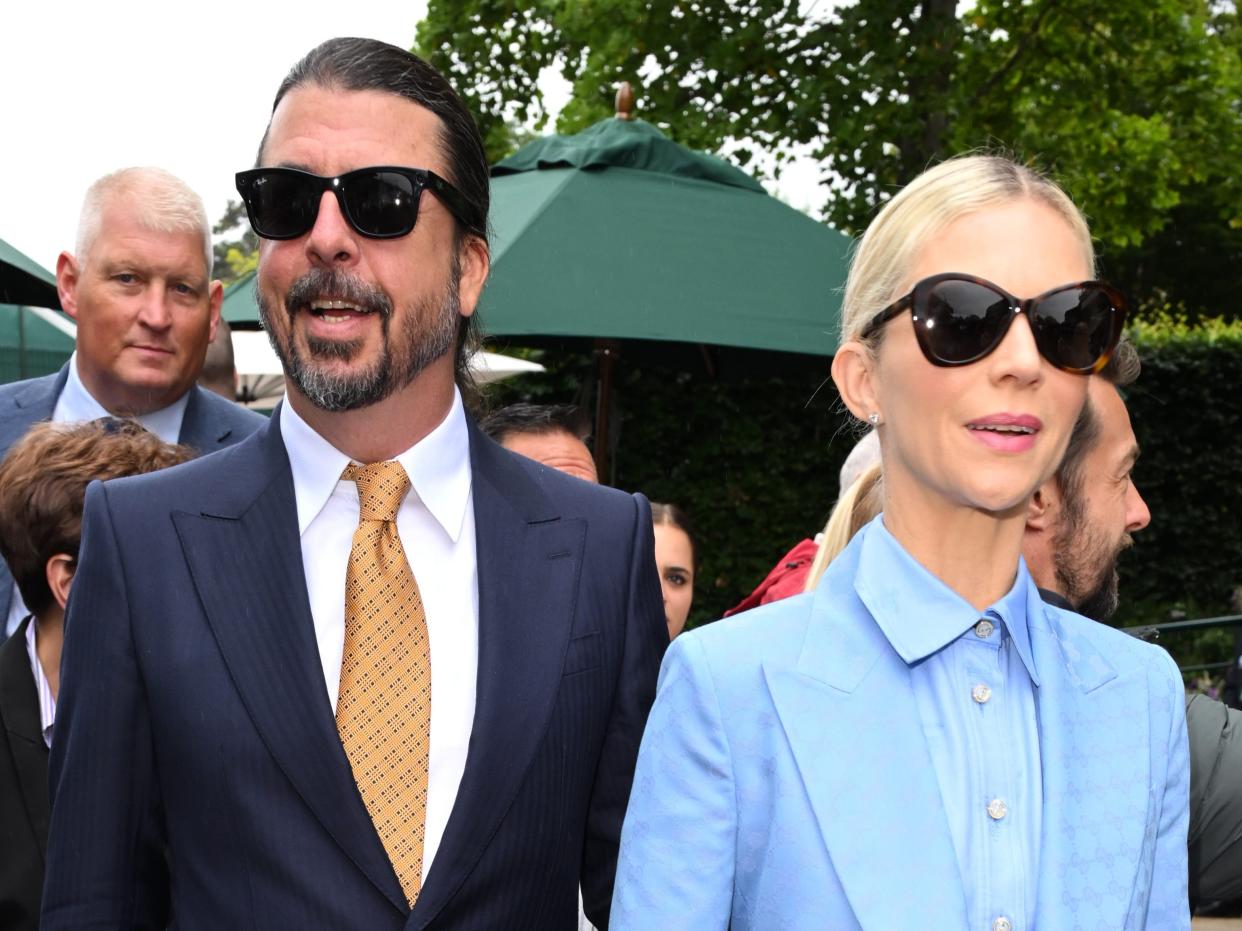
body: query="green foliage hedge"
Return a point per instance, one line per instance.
(1187, 413)
(754, 459)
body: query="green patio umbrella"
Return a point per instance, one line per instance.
(620, 232)
(23, 281)
(34, 340)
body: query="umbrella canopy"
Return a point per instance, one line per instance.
(23, 281)
(619, 232)
(33, 341)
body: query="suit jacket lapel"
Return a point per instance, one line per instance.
(33, 401)
(197, 431)
(30, 403)
(246, 563)
(1094, 747)
(528, 565)
(848, 712)
(19, 713)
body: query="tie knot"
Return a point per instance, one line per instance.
(381, 487)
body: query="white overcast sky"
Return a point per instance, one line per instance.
(90, 86)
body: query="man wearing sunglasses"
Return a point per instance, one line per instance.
(368, 669)
(138, 284)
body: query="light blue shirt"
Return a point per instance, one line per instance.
(974, 682)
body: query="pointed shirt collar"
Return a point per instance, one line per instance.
(438, 466)
(918, 613)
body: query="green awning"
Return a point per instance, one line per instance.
(23, 281)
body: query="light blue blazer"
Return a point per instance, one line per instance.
(785, 782)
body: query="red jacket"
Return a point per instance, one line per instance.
(787, 578)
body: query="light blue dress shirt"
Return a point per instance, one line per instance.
(973, 680)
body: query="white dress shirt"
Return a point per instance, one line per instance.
(47, 701)
(436, 526)
(76, 404)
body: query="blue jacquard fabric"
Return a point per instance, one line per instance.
(785, 779)
(972, 674)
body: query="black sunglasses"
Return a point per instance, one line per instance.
(959, 319)
(380, 203)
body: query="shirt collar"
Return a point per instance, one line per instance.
(47, 701)
(438, 466)
(918, 613)
(76, 403)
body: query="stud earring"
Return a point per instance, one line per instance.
(874, 418)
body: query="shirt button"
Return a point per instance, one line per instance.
(1002, 924)
(981, 693)
(997, 810)
(984, 629)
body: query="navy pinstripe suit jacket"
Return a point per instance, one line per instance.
(197, 772)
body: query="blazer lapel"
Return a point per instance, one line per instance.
(1094, 747)
(246, 562)
(19, 712)
(528, 564)
(848, 712)
(197, 430)
(31, 402)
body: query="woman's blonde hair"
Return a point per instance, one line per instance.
(856, 507)
(923, 208)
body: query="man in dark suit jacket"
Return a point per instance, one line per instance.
(139, 286)
(198, 770)
(42, 485)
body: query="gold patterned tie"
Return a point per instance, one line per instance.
(383, 710)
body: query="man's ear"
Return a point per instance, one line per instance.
(1042, 509)
(67, 273)
(853, 368)
(59, 571)
(474, 262)
(215, 293)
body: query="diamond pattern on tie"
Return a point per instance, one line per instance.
(383, 710)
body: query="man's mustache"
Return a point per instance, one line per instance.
(336, 285)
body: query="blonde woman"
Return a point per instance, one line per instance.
(921, 742)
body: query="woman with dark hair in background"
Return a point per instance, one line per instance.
(921, 741)
(677, 558)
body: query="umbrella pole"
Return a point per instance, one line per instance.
(606, 353)
(21, 343)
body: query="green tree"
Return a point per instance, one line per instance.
(1132, 104)
(238, 253)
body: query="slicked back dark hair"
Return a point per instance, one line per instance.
(536, 419)
(350, 64)
(371, 65)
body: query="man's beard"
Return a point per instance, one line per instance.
(1086, 569)
(428, 330)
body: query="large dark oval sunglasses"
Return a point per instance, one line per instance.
(958, 319)
(380, 203)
